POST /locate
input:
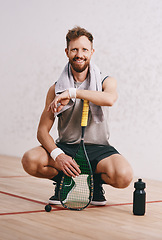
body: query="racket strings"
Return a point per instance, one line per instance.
(76, 192)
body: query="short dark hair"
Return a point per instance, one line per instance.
(77, 32)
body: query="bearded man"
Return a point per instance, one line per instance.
(79, 80)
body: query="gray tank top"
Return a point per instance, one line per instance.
(69, 126)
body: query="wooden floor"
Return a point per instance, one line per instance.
(22, 214)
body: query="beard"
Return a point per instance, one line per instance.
(77, 66)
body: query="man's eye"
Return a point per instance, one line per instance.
(85, 49)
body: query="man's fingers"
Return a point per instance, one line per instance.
(76, 164)
(72, 169)
(59, 108)
(64, 170)
(69, 173)
(58, 103)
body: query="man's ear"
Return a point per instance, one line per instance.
(66, 51)
(92, 51)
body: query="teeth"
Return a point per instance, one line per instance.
(79, 61)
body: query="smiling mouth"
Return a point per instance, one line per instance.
(79, 60)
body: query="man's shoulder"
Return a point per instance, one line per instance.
(109, 83)
(108, 79)
(51, 92)
(51, 89)
(104, 79)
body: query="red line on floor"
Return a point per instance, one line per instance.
(36, 211)
(122, 204)
(55, 208)
(58, 208)
(24, 198)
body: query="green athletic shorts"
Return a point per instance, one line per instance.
(95, 152)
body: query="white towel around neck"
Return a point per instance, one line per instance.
(93, 82)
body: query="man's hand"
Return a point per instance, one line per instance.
(68, 165)
(59, 102)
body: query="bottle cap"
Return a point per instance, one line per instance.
(139, 184)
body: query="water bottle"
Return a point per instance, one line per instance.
(139, 198)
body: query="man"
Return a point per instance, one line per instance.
(79, 80)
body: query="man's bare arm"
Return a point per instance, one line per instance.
(107, 97)
(63, 162)
(46, 123)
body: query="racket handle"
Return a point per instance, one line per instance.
(85, 113)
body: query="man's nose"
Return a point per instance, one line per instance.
(79, 54)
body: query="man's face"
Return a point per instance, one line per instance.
(79, 53)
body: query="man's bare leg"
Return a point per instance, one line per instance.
(38, 163)
(115, 171)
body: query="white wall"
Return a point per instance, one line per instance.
(128, 43)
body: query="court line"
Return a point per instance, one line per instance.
(58, 208)
(54, 208)
(24, 212)
(24, 198)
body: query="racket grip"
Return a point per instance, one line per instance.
(85, 113)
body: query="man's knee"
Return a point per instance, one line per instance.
(29, 162)
(124, 178)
